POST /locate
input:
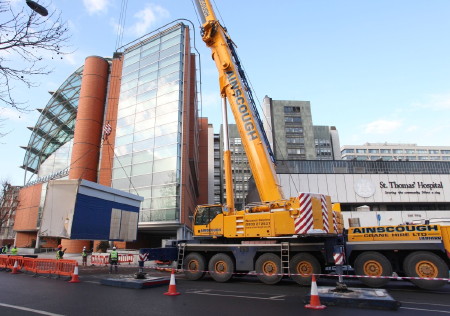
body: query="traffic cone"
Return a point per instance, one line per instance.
(75, 278)
(15, 269)
(172, 285)
(315, 300)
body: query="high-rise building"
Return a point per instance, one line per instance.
(131, 123)
(326, 140)
(293, 136)
(240, 168)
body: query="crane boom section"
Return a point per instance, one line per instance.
(232, 87)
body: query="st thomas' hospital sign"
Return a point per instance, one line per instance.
(366, 188)
(417, 187)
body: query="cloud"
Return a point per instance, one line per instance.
(12, 115)
(95, 6)
(147, 17)
(435, 102)
(382, 126)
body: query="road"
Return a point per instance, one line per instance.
(24, 294)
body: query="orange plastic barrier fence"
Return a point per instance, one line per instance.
(45, 266)
(123, 258)
(104, 259)
(12, 260)
(99, 259)
(40, 266)
(3, 261)
(29, 264)
(65, 267)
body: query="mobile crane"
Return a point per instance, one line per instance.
(293, 237)
(275, 236)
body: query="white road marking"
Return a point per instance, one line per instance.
(200, 292)
(30, 310)
(426, 310)
(446, 305)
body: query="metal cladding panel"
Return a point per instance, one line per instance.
(374, 188)
(92, 218)
(58, 208)
(107, 193)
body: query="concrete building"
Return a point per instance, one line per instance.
(395, 152)
(326, 140)
(8, 205)
(292, 135)
(240, 167)
(130, 123)
(376, 192)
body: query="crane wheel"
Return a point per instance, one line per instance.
(268, 268)
(374, 264)
(302, 266)
(221, 267)
(194, 266)
(424, 264)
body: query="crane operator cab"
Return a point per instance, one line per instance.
(208, 220)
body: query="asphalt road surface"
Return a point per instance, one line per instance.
(24, 294)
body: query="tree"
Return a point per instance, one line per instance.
(8, 204)
(32, 38)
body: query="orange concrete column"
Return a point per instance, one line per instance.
(75, 246)
(107, 153)
(88, 130)
(89, 122)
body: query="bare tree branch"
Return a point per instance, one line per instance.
(27, 42)
(8, 205)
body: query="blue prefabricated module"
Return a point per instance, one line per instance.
(80, 209)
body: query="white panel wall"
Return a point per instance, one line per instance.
(341, 187)
(395, 217)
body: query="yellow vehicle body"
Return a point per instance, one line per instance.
(401, 233)
(266, 220)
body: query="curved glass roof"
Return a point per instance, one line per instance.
(55, 125)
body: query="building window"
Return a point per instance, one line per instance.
(295, 151)
(445, 152)
(295, 140)
(385, 151)
(433, 151)
(348, 151)
(292, 119)
(360, 151)
(293, 130)
(397, 151)
(374, 151)
(291, 109)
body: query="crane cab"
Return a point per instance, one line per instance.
(208, 220)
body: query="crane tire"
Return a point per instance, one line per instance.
(302, 266)
(374, 264)
(194, 266)
(221, 267)
(268, 268)
(425, 264)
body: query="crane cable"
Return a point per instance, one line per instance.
(121, 24)
(251, 88)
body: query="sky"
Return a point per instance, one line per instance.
(379, 71)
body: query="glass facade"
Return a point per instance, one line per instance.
(147, 153)
(367, 167)
(54, 129)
